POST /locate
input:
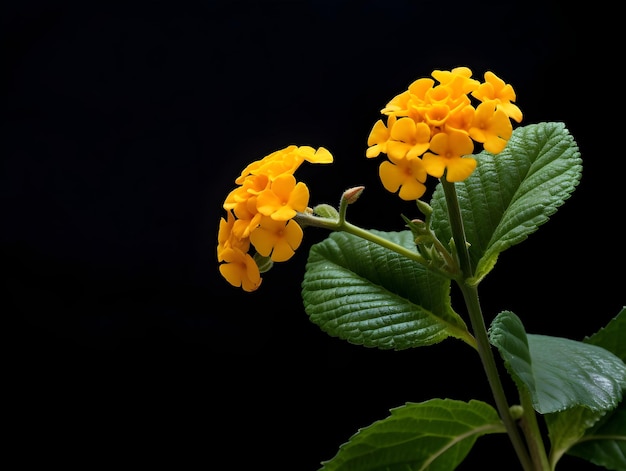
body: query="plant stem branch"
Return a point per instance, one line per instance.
(470, 295)
(341, 224)
(532, 433)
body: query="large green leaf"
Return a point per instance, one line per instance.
(597, 436)
(435, 435)
(369, 295)
(511, 194)
(605, 443)
(559, 373)
(613, 336)
(565, 428)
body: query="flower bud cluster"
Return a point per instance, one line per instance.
(260, 212)
(432, 128)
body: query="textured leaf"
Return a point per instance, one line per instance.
(605, 443)
(565, 428)
(597, 436)
(559, 373)
(435, 435)
(511, 194)
(326, 211)
(369, 295)
(613, 336)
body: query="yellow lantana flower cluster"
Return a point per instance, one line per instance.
(260, 212)
(432, 128)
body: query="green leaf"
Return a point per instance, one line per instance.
(559, 373)
(565, 428)
(597, 436)
(573, 432)
(435, 435)
(511, 194)
(605, 443)
(369, 295)
(612, 336)
(326, 211)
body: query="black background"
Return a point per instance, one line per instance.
(125, 126)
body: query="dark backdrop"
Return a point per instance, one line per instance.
(125, 126)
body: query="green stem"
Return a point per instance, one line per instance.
(367, 235)
(444, 252)
(470, 296)
(532, 433)
(341, 224)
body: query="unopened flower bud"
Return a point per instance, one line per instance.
(424, 239)
(424, 207)
(516, 411)
(419, 227)
(352, 194)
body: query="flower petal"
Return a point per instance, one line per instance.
(293, 234)
(240, 269)
(460, 168)
(391, 176)
(411, 189)
(434, 164)
(299, 197)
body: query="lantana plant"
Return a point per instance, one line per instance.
(497, 182)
